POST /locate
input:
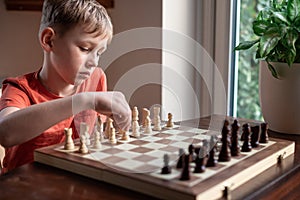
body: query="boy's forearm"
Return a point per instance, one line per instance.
(27, 123)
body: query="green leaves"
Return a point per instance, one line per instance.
(272, 69)
(278, 31)
(293, 9)
(269, 41)
(289, 42)
(246, 45)
(260, 27)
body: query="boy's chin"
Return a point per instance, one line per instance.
(78, 82)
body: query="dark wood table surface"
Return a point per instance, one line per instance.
(38, 181)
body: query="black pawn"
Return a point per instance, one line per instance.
(225, 155)
(191, 150)
(264, 133)
(255, 135)
(180, 161)
(246, 145)
(200, 160)
(212, 162)
(235, 148)
(166, 169)
(185, 174)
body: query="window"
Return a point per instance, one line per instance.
(245, 101)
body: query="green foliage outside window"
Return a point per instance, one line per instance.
(248, 105)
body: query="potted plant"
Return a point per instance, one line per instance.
(277, 28)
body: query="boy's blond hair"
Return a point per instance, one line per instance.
(62, 15)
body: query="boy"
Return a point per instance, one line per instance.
(35, 108)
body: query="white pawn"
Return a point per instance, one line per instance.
(170, 123)
(109, 125)
(156, 119)
(147, 123)
(125, 135)
(112, 136)
(135, 123)
(83, 148)
(69, 144)
(97, 143)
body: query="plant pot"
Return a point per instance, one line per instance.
(280, 98)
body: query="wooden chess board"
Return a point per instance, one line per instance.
(136, 164)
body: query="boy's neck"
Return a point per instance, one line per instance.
(55, 85)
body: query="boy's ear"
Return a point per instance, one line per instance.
(46, 38)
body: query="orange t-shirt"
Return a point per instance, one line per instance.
(27, 90)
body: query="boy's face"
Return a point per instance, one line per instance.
(75, 55)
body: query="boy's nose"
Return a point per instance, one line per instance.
(93, 60)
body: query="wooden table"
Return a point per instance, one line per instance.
(38, 181)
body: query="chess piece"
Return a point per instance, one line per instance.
(180, 161)
(170, 123)
(166, 169)
(84, 130)
(144, 115)
(147, 123)
(156, 119)
(69, 144)
(246, 147)
(255, 136)
(191, 149)
(97, 137)
(108, 127)
(235, 147)
(125, 135)
(99, 125)
(112, 136)
(185, 174)
(135, 123)
(205, 148)
(212, 162)
(83, 148)
(225, 155)
(264, 133)
(200, 160)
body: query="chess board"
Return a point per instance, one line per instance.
(136, 164)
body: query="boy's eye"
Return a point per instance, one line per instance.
(84, 49)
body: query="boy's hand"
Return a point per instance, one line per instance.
(111, 104)
(114, 105)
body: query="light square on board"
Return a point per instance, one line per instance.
(145, 158)
(157, 153)
(173, 131)
(125, 146)
(129, 164)
(154, 145)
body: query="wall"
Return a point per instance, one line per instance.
(179, 56)
(20, 51)
(133, 60)
(19, 47)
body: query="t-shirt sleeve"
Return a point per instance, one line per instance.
(13, 96)
(102, 82)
